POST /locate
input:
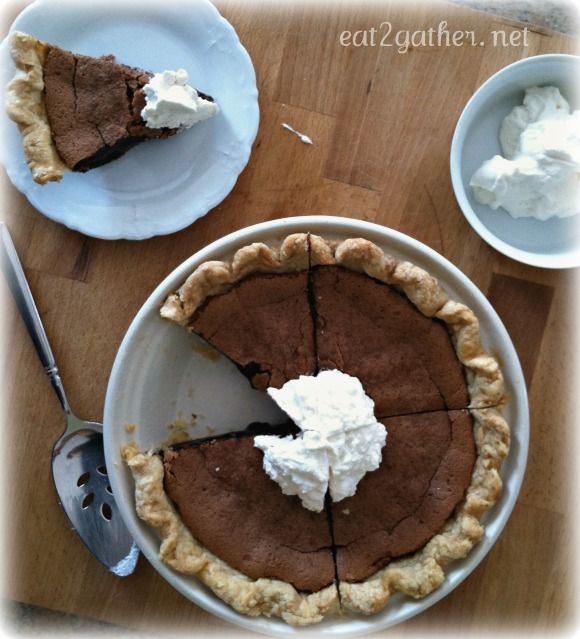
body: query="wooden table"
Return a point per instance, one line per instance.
(382, 123)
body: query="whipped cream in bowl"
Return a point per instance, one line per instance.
(340, 439)
(538, 174)
(514, 161)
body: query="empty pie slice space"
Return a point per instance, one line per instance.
(306, 306)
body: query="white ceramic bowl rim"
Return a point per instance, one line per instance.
(527, 257)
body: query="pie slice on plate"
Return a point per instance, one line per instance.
(312, 305)
(76, 112)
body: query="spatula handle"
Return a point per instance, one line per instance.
(18, 284)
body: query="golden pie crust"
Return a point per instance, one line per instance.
(417, 575)
(214, 277)
(25, 105)
(300, 251)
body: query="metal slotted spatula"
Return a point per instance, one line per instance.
(78, 460)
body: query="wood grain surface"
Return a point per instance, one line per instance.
(382, 123)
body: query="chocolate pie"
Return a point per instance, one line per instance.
(264, 326)
(75, 112)
(309, 306)
(222, 480)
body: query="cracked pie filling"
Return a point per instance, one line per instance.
(390, 455)
(77, 112)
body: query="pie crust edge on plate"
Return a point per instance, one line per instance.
(25, 105)
(415, 576)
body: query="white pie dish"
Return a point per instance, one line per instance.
(160, 186)
(554, 243)
(157, 378)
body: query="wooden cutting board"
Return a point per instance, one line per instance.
(382, 122)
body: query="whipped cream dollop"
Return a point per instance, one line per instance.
(540, 174)
(340, 439)
(171, 102)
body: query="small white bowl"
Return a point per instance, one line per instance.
(554, 243)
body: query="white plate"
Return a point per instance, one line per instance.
(159, 377)
(161, 186)
(554, 243)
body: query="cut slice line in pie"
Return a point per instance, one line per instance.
(309, 305)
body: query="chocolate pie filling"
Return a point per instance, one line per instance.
(219, 485)
(404, 360)
(264, 325)
(90, 107)
(425, 470)
(276, 327)
(237, 512)
(94, 106)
